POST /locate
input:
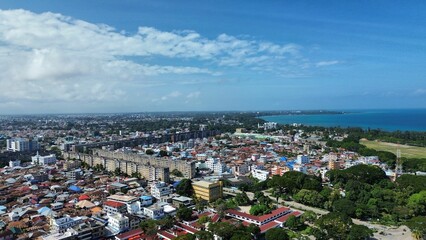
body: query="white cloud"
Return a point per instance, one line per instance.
(49, 57)
(193, 95)
(419, 92)
(326, 63)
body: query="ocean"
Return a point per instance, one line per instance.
(389, 120)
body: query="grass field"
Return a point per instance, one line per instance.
(406, 151)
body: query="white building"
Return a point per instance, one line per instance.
(133, 205)
(63, 223)
(302, 159)
(21, 145)
(15, 163)
(300, 168)
(160, 189)
(43, 160)
(216, 165)
(118, 223)
(260, 174)
(154, 212)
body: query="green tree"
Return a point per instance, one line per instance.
(293, 223)
(222, 229)
(309, 216)
(163, 153)
(417, 225)
(149, 152)
(359, 232)
(184, 188)
(240, 235)
(345, 206)
(276, 234)
(417, 202)
(260, 209)
(335, 225)
(177, 173)
(204, 235)
(204, 219)
(184, 213)
(242, 199)
(309, 197)
(186, 237)
(150, 227)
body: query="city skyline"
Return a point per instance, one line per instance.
(131, 56)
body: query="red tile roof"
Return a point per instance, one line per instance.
(259, 218)
(113, 204)
(130, 234)
(187, 228)
(269, 225)
(166, 235)
(285, 217)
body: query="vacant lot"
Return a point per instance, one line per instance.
(406, 151)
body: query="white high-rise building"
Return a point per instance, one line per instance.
(160, 189)
(21, 145)
(117, 223)
(43, 160)
(216, 165)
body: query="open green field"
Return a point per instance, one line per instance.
(406, 151)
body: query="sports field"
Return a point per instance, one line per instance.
(406, 151)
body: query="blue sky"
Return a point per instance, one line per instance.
(120, 56)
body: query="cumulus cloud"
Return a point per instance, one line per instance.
(50, 57)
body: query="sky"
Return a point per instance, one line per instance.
(82, 56)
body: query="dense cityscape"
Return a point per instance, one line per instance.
(212, 120)
(225, 175)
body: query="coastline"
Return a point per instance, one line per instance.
(384, 120)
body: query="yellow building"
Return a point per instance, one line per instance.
(333, 165)
(209, 191)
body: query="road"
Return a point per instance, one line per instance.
(402, 232)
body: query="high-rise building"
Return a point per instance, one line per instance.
(209, 191)
(21, 145)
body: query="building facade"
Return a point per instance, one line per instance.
(209, 191)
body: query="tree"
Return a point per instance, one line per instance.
(309, 216)
(276, 234)
(240, 235)
(204, 235)
(242, 199)
(260, 209)
(184, 213)
(149, 227)
(253, 229)
(222, 229)
(184, 188)
(309, 197)
(186, 237)
(204, 219)
(177, 173)
(417, 226)
(335, 225)
(293, 223)
(166, 222)
(417, 202)
(345, 206)
(149, 152)
(163, 153)
(359, 232)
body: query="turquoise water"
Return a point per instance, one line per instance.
(390, 120)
